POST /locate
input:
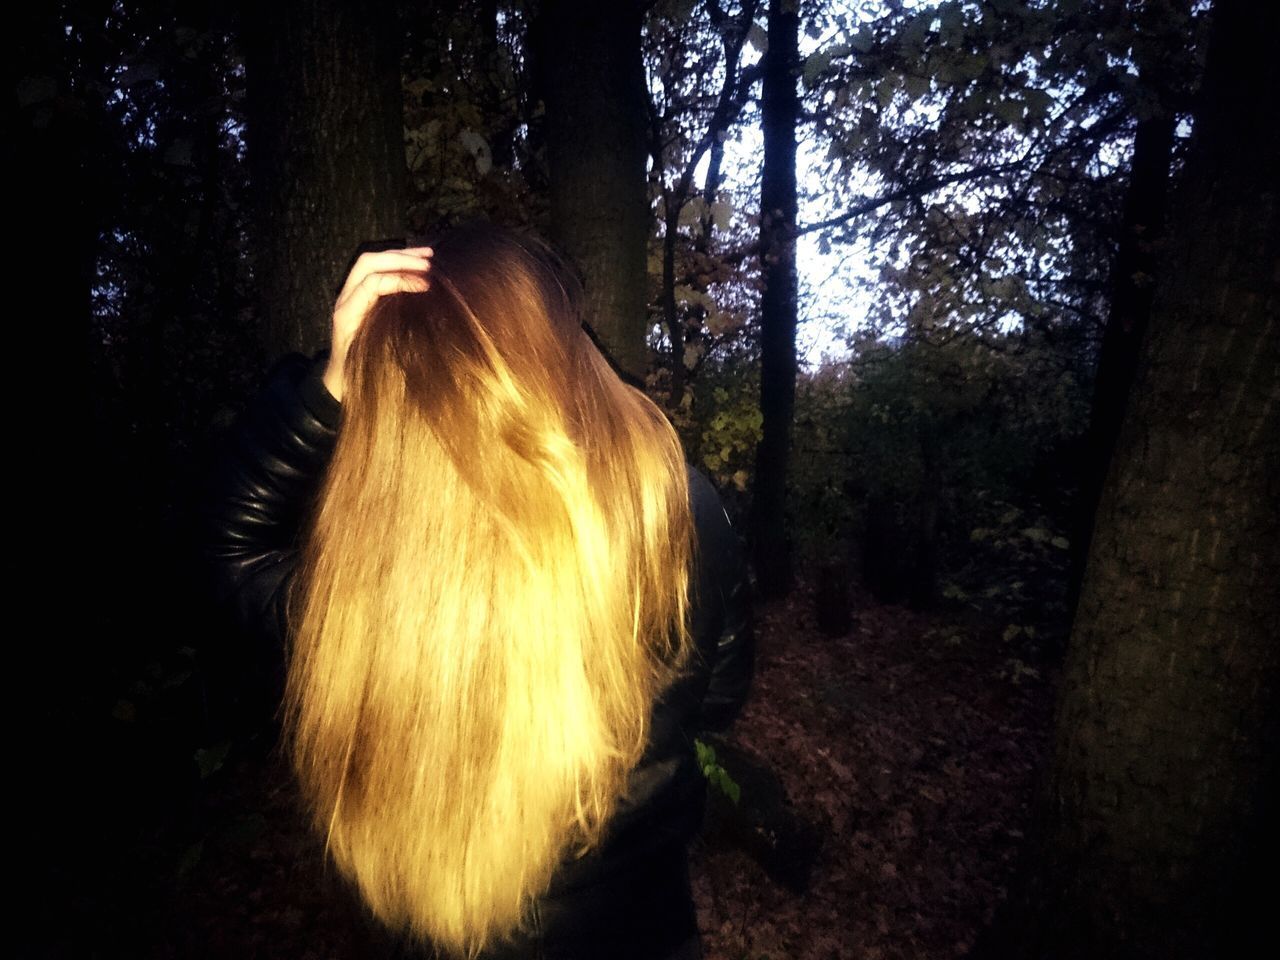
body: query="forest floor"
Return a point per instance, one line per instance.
(912, 743)
(915, 742)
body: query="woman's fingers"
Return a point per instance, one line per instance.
(375, 285)
(385, 261)
(380, 283)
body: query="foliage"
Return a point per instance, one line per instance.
(991, 142)
(471, 117)
(942, 431)
(715, 773)
(721, 431)
(703, 287)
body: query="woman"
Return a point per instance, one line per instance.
(506, 604)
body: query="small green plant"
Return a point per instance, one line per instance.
(715, 773)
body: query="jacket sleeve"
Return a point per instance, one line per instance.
(733, 669)
(264, 481)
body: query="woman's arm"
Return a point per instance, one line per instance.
(275, 454)
(265, 481)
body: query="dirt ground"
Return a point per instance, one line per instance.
(912, 744)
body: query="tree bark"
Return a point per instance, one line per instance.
(593, 81)
(780, 109)
(1132, 274)
(1153, 825)
(326, 153)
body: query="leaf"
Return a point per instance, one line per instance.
(726, 785)
(210, 760)
(814, 66)
(692, 210)
(1010, 111)
(917, 86)
(706, 753)
(884, 93)
(478, 147)
(1038, 104)
(721, 214)
(1062, 543)
(758, 38)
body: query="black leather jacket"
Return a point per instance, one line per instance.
(631, 893)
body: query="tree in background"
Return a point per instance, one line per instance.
(981, 155)
(593, 81)
(779, 116)
(1155, 836)
(689, 120)
(326, 154)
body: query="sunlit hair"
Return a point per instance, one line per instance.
(493, 590)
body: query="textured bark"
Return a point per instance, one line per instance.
(326, 152)
(593, 82)
(780, 108)
(1132, 273)
(1126, 323)
(1154, 813)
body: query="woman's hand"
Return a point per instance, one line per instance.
(373, 275)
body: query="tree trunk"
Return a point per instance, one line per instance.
(1132, 274)
(326, 153)
(1153, 827)
(593, 80)
(1126, 323)
(780, 108)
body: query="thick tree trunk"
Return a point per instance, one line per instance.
(1155, 808)
(1126, 323)
(780, 108)
(593, 81)
(1132, 274)
(326, 153)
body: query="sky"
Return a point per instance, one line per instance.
(830, 292)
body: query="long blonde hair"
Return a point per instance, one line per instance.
(493, 589)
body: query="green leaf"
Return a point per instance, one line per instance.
(706, 753)
(733, 791)
(917, 86)
(1010, 111)
(210, 760)
(814, 65)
